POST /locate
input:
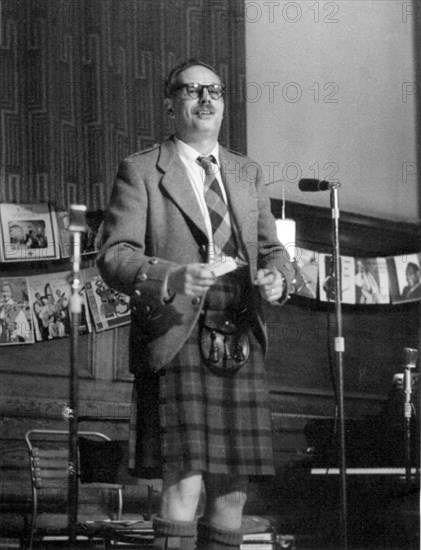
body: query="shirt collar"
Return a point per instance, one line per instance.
(189, 154)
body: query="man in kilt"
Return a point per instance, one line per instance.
(189, 235)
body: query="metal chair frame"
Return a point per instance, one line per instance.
(50, 469)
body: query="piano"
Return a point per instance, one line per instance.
(375, 445)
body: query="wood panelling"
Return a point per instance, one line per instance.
(358, 234)
(300, 354)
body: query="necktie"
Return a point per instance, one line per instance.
(223, 238)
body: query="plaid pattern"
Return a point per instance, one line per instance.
(223, 238)
(186, 418)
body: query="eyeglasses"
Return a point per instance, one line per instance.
(195, 90)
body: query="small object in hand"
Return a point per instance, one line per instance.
(221, 267)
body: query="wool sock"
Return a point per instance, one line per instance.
(211, 537)
(173, 535)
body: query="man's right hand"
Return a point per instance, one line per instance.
(191, 280)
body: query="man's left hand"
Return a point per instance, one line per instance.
(271, 284)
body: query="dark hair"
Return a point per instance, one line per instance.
(172, 79)
(413, 266)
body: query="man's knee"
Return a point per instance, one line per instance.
(180, 495)
(227, 509)
(225, 500)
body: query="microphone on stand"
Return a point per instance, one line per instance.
(77, 226)
(312, 185)
(410, 359)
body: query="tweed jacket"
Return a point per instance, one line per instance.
(153, 223)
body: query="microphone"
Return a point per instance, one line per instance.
(308, 184)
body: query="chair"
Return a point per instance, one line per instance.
(100, 497)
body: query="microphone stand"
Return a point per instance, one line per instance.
(410, 356)
(77, 226)
(339, 350)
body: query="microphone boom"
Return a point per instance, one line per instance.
(312, 185)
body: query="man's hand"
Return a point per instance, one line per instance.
(191, 280)
(271, 284)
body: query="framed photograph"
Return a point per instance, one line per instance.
(371, 281)
(64, 235)
(307, 269)
(327, 284)
(89, 239)
(109, 308)
(28, 232)
(405, 279)
(49, 298)
(15, 313)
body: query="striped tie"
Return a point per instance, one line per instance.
(223, 238)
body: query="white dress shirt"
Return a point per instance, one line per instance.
(197, 176)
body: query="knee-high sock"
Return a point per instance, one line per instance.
(174, 535)
(211, 537)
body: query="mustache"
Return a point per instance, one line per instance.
(207, 108)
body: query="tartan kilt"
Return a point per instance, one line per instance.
(185, 418)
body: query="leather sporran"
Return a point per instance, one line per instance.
(224, 342)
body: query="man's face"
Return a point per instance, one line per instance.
(199, 118)
(412, 276)
(6, 293)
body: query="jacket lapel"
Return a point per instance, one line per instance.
(176, 183)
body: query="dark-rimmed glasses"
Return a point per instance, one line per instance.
(195, 90)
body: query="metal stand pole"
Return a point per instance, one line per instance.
(339, 350)
(77, 226)
(410, 359)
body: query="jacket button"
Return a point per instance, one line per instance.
(196, 301)
(153, 261)
(143, 277)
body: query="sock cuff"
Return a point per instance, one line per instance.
(173, 528)
(213, 533)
